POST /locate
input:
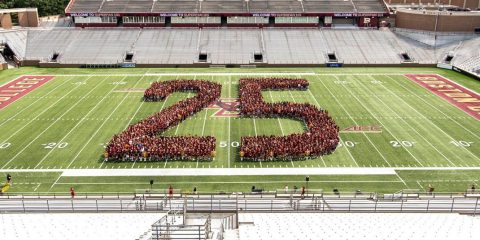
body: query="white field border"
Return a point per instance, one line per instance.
(233, 171)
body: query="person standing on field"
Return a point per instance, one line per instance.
(72, 192)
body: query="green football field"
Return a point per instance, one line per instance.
(66, 123)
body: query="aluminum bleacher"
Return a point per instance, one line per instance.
(264, 226)
(222, 6)
(231, 46)
(163, 47)
(16, 40)
(72, 226)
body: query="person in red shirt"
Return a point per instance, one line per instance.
(72, 192)
(170, 191)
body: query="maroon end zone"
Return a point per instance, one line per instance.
(20, 87)
(464, 99)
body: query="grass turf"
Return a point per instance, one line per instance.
(66, 123)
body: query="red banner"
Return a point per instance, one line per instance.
(464, 99)
(20, 87)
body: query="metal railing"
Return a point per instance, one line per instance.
(165, 229)
(261, 202)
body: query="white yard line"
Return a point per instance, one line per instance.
(401, 179)
(420, 185)
(234, 171)
(44, 110)
(229, 142)
(76, 125)
(432, 123)
(100, 127)
(406, 124)
(138, 109)
(433, 106)
(46, 129)
(383, 125)
(348, 151)
(27, 107)
(365, 135)
(56, 180)
(229, 182)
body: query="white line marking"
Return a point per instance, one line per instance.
(76, 125)
(38, 99)
(46, 129)
(384, 126)
(98, 129)
(365, 135)
(432, 123)
(348, 151)
(45, 110)
(431, 105)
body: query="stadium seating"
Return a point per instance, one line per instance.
(76, 226)
(188, 6)
(16, 40)
(357, 226)
(86, 6)
(231, 46)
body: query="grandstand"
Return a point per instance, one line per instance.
(235, 46)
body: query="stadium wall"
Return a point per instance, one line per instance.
(208, 65)
(435, 21)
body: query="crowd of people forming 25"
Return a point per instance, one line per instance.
(142, 140)
(321, 136)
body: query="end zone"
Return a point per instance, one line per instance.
(459, 96)
(20, 87)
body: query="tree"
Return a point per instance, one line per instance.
(45, 7)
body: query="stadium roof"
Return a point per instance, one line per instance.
(237, 7)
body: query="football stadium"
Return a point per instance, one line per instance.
(240, 119)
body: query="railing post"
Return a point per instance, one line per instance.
(271, 205)
(376, 202)
(48, 206)
(349, 205)
(211, 203)
(475, 210)
(428, 205)
(451, 207)
(23, 205)
(96, 204)
(73, 210)
(401, 206)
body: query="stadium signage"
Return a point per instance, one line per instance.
(184, 14)
(358, 14)
(95, 14)
(127, 65)
(276, 14)
(334, 65)
(362, 129)
(20, 87)
(464, 99)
